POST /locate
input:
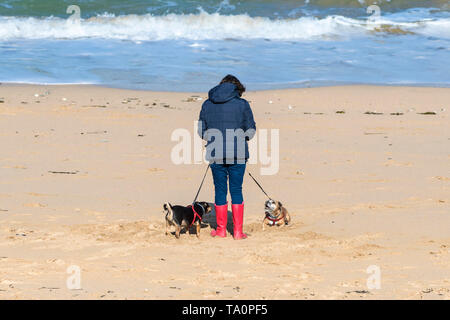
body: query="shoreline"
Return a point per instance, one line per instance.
(343, 85)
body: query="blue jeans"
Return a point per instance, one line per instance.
(221, 173)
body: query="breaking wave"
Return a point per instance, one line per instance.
(212, 26)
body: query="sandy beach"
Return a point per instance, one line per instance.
(364, 173)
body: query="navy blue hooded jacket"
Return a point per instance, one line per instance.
(226, 123)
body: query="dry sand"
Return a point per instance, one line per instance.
(362, 190)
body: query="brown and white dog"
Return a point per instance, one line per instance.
(276, 214)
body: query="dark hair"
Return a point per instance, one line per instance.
(232, 79)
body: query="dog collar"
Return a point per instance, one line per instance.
(274, 219)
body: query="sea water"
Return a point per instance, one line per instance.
(190, 45)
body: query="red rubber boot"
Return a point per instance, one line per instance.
(221, 219)
(238, 221)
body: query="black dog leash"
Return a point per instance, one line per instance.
(259, 185)
(199, 188)
(204, 176)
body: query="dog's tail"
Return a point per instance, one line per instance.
(168, 210)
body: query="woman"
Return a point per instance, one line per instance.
(226, 123)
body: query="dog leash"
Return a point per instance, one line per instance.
(259, 185)
(196, 215)
(201, 184)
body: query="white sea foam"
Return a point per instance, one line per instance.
(205, 26)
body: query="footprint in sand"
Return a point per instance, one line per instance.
(35, 205)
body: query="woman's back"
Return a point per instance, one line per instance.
(226, 112)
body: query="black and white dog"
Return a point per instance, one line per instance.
(185, 216)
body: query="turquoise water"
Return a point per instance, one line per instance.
(254, 8)
(189, 45)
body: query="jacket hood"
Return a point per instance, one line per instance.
(223, 93)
